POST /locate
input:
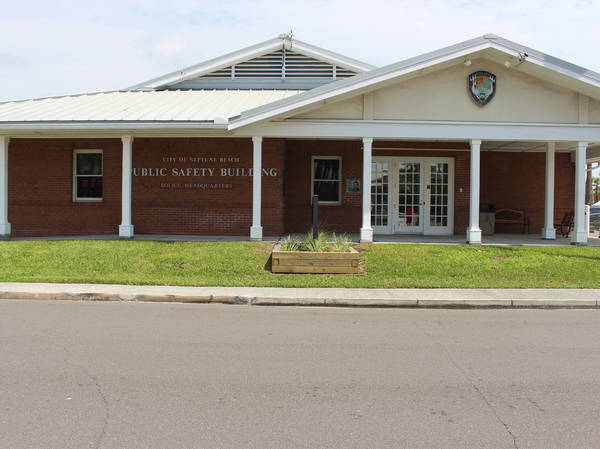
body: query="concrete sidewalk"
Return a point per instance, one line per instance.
(343, 297)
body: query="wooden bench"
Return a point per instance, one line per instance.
(512, 216)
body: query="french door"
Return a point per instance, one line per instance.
(412, 195)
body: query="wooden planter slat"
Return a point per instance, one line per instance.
(314, 262)
(318, 262)
(313, 270)
(311, 255)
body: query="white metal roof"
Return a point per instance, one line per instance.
(249, 53)
(134, 106)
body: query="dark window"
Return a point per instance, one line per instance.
(327, 179)
(88, 175)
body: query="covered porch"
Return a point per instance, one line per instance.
(533, 188)
(514, 174)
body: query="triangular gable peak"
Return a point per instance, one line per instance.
(514, 58)
(444, 95)
(280, 63)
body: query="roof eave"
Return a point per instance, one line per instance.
(7, 127)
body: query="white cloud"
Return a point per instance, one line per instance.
(169, 46)
(59, 47)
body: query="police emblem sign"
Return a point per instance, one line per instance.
(482, 86)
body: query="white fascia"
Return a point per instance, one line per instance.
(112, 130)
(412, 129)
(58, 126)
(533, 59)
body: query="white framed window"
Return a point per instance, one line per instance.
(87, 175)
(326, 179)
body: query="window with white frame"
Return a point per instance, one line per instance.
(87, 175)
(327, 179)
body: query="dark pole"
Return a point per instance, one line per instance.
(315, 216)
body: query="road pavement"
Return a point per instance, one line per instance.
(157, 375)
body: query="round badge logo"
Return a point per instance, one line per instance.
(482, 87)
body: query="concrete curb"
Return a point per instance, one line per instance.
(334, 297)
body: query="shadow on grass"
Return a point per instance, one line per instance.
(269, 263)
(576, 256)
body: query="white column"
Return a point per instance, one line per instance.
(4, 224)
(474, 231)
(548, 231)
(256, 231)
(126, 228)
(366, 231)
(579, 236)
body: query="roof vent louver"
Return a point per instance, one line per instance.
(279, 69)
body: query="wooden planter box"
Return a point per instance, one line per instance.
(313, 262)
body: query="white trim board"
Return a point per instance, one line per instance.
(425, 130)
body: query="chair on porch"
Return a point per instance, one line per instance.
(566, 225)
(512, 216)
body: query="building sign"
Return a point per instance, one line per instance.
(482, 87)
(352, 186)
(218, 169)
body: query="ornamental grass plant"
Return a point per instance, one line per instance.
(324, 243)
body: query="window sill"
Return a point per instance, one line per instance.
(88, 200)
(329, 204)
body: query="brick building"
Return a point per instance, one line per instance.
(239, 144)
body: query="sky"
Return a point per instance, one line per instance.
(62, 47)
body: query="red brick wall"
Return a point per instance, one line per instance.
(347, 216)
(41, 188)
(342, 218)
(517, 181)
(508, 180)
(184, 210)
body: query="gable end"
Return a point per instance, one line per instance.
(280, 69)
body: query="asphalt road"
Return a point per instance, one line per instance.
(146, 375)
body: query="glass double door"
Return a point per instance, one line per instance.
(412, 195)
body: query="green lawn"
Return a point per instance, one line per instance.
(246, 264)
